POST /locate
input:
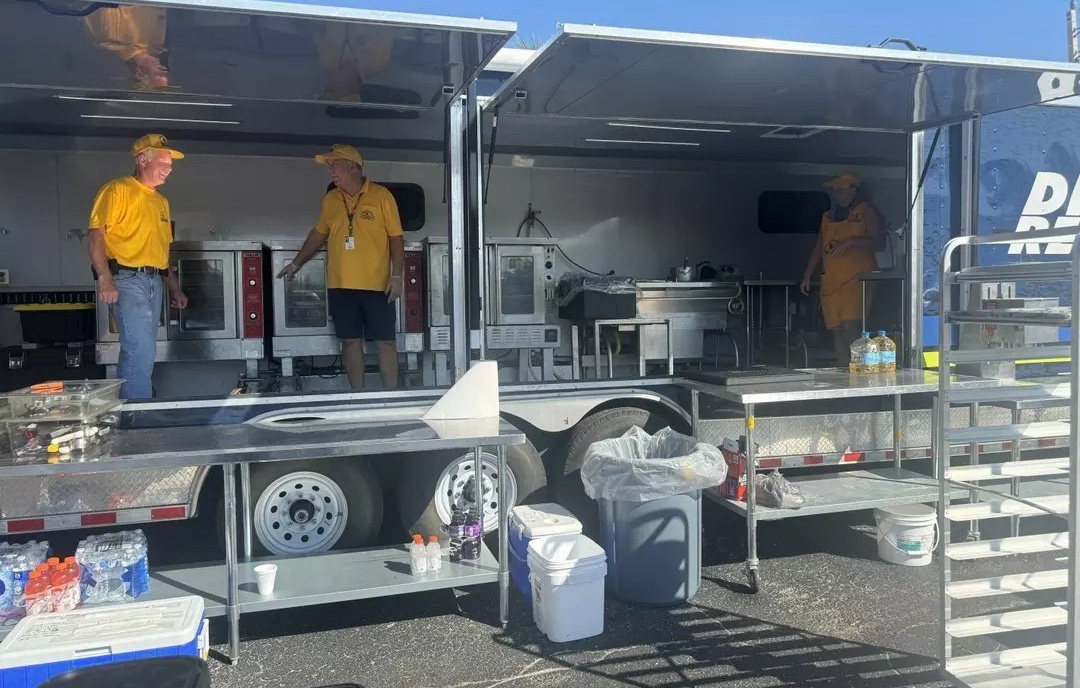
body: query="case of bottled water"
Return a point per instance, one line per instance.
(115, 567)
(16, 563)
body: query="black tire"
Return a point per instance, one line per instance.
(416, 489)
(357, 481)
(603, 425)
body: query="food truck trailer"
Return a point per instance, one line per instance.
(527, 181)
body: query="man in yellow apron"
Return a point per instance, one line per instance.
(851, 233)
(136, 35)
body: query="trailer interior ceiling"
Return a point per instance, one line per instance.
(661, 94)
(243, 70)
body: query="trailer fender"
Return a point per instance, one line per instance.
(560, 412)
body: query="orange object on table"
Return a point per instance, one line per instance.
(47, 388)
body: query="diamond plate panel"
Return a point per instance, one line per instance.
(68, 494)
(823, 434)
(858, 432)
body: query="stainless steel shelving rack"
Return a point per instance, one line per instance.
(1028, 593)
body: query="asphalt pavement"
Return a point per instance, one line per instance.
(829, 613)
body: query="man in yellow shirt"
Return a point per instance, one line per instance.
(130, 235)
(361, 229)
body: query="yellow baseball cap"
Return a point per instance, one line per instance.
(340, 151)
(843, 180)
(154, 142)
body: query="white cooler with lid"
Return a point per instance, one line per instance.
(530, 522)
(43, 646)
(567, 576)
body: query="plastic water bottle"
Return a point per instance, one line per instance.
(470, 547)
(886, 352)
(864, 355)
(434, 555)
(456, 531)
(418, 556)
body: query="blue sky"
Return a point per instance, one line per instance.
(1013, 28)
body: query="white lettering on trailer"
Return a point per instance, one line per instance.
(1049, 194)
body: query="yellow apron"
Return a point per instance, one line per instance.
(126, 31)
(841, 293)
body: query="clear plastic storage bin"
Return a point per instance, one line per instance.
(59, 437)
(71, 400)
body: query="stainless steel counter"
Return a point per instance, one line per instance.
(836, 383)
(178, 447)
(692, 308)
(385, 432)
(837, 492)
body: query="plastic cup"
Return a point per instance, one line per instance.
(264, 578)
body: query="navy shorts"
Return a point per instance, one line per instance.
(362, 314)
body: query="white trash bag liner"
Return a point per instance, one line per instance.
(639, 467)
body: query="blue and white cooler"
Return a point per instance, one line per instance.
(532, 522)
(43, 646)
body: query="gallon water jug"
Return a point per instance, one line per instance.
(886, 353)
(864, 355)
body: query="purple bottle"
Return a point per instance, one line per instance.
(457, 532)
(474, 530)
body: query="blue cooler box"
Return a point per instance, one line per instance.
(43, 646)
(531, 522)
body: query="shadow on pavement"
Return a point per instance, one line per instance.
(690, 645)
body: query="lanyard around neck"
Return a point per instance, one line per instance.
(350, 213)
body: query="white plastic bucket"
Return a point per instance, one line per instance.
(907, 535)
(566, 573)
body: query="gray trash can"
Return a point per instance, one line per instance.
(653, 548)
(649, 491)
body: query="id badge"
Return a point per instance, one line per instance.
(350, 243)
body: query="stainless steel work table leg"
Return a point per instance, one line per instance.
(752, 576)
(897, 433)
(503, 533)
(245, 508)
(232, 574)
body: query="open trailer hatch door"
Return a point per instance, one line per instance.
(797, 89)
(245, 69)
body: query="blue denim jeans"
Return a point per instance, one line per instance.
(137, 312)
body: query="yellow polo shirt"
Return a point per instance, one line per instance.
(374, 220)
(136, 222)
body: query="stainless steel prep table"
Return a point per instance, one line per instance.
(846, 491)
(332, 577)
(755, 321)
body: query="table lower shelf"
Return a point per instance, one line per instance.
(319, 579)
(847, 491)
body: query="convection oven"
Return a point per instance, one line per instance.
(520, 288)
(302, 325)
(225, 318)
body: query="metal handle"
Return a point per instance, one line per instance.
(910, 45)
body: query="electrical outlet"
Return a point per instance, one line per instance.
(5, 278)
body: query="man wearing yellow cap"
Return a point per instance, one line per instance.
(130, 235)
(851, 233)
(361, 229)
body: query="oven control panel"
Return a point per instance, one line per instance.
(251, 288)
(412, 295)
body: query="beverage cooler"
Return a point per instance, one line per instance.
(224, 319)
(302, 325)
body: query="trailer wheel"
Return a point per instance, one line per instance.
(603, 425)
(305, 507)
(433, 484)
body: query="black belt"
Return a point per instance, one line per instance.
(115, 268)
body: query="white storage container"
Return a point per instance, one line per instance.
(40, 647)
(567, 577)
(530, 522)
